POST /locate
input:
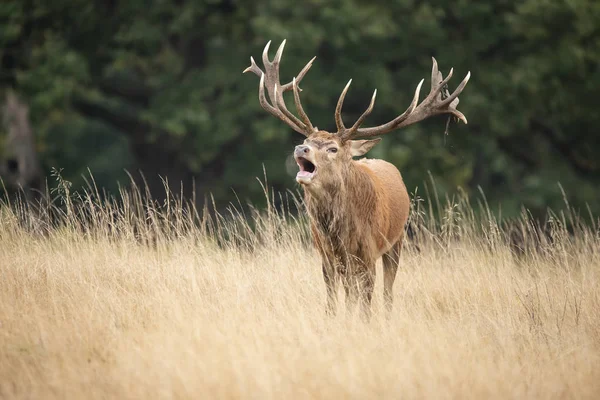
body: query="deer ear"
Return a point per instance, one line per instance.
(360, 147)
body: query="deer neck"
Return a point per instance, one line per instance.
(333, 209)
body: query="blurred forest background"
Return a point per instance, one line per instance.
(157, 86)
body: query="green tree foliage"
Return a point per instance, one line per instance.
(157, 86)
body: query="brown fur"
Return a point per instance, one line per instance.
(358, 210)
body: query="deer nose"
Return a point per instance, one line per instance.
(301, 150)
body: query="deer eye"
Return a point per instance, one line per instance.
(332, 150)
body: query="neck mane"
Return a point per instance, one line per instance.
(332, 210)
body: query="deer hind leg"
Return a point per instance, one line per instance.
(390, 268)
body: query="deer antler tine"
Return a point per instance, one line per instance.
(459, 115)
(253, 68)
(458, 90)
(415, 99)
(277, 58)
(305, 69)
(446, 79)
(434, 73)
(265, 54)
(303, 114)
(363, 116)
(303, 72)
(437, 88)
(338, 109)
(413, 104)
(262, 99)
(280, 105)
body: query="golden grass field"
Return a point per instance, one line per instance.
(212, 308)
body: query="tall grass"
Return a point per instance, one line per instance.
(125, 297)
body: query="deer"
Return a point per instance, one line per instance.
(357, 208)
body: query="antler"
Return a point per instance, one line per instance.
(270, 79)
(433, 104)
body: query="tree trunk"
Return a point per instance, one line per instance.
(19, 164)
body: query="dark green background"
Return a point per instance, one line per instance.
(158, 86)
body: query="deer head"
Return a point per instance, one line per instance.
(325, 157)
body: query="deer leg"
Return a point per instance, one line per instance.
(390, 268)
(351, 289)
(367, 283)
(329, 275)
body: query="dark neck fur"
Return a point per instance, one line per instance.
(332, 209)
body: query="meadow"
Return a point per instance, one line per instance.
(127, 298)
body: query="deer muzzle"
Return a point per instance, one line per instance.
(304, 158)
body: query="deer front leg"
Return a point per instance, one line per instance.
(351, 289)
(329, 275)
(367, 284)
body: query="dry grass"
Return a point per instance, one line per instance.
(211, 310)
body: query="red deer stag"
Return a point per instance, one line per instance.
(357, 208)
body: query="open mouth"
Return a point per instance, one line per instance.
(307, 169)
